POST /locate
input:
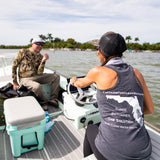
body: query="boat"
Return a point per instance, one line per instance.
(77, 109)
(52, 49)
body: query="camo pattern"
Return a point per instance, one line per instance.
(28, 64)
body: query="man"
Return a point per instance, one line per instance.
(30, 64)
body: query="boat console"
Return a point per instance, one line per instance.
(79, 105)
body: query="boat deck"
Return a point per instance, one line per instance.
(62, 142)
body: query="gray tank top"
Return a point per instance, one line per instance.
(122, 134)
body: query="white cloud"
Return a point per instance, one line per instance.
(82, 20)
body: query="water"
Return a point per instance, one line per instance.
(78, 63)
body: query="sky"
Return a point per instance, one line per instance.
(82, 20)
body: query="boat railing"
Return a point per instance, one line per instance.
(5, 65)
(152, 126)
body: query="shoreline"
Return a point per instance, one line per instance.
(8, 54)
(13, 52)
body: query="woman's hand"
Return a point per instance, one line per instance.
(73, 80)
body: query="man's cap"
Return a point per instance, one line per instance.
(37, 39)
(113, 44)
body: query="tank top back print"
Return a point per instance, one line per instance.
(122, 131)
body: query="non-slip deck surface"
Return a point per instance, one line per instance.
(62, 142)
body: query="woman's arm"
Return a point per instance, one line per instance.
(103, 77)
(86, 81)
(148, 106)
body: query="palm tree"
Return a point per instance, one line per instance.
(128, 38)
(57, 40)
(136, 39)
(31, 40)
(50, 38)
(43, 37)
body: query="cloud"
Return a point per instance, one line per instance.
(82, 20)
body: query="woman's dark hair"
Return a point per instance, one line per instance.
(112, 44)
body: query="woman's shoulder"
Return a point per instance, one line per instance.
(96, 69)
(104, 77)
(139, 75)
(102, 71)
(100, 68)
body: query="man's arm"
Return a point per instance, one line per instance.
(15, 65)
(42, 64)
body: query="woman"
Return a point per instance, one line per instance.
(123, 99)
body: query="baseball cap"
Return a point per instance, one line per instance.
(37, 39)
(112, 44)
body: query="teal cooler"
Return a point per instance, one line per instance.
(25, 120)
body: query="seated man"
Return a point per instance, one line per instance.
(30, 64)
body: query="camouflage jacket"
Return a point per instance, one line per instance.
(28, 64)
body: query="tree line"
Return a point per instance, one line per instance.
(70, 43)
(56, 43)
(145, 46)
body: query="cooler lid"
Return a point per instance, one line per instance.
(22, 110)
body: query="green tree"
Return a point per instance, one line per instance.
(70, 43)
(31, 40)
(156, 46)
(59, 45)
(57, 40)
(50, 38)
(136, 46)
(136, 39)
(2, 46)
(43, 37)
(48, 45)
(146, 46)
(87, 46)
(78, 45)
(128, 38)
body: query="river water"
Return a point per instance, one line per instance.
(78, 63)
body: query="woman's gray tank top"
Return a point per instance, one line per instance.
(122, 135)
